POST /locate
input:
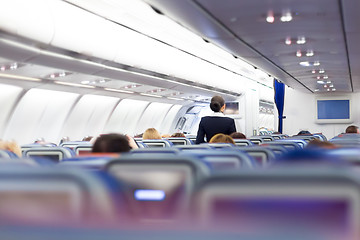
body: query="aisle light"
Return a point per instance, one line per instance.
(73, 84)
(17, 77)
(150, 95)
(117, 90)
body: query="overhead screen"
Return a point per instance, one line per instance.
(333, 111)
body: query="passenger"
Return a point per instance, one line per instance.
(178, 135)
(87, 138)
(304, 132)
(113, 143)
(238, 135)
(217, 123)
(11, 146)
(165, 135)
(352, 129)
(151, 133)
(140, 135)
(316, 143)
(222, 138)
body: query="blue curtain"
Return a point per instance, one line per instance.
(279, 101)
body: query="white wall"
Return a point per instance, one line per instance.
(40, 113)
(300, 112)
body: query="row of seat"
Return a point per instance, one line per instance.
(166, 189)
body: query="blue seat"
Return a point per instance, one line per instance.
(193, 147)
(290, 145)
(83, 148)
(7, 154)
(263, 156)
(281, 200)
(180, 141)
(223, 159)
(152, 143)
(243, 142)
(279, 150)
(40, 195)
(56, 154)
(143, 151)
(256, 140)
(91, 162)
(73, 144)
(159, 186)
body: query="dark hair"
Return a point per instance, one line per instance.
(111, 143)
(216, 103)
(238, 135)
(178, 135)
(352, 129)
(304, 132)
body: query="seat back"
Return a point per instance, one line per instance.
(56, 154)
(160, 186)
(280, 201)
(243, 142)
(261, 155)
(82, 149)
(154, 143)
(180, 141)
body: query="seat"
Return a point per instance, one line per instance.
(152, 143)
(56, 154)
(261, 155)
(256, 140)
(192, 147)
(282, 201)
(7, 154)
(143, 151)
(83, 148)
(224, 159)
(73, 144)
(242, 142)
(290, 145)
(160, 186)
(180, 141)
(40, 195)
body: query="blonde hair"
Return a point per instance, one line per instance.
(11, 146)
(222, 138)
(151, 133)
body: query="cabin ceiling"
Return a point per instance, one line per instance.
(330, 29)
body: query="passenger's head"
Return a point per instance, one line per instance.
(304, 132)
(316, 143)
(151, 133)
(352, 129)
(87, 138)
(217, 104)
(178, 135)
(237, 135)
(111, 143)
(221, 138)
(11, 146)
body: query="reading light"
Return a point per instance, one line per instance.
(321, 71)
(318, 77)
(301, 40)
(328, 89)
(305, 64)
(328, 81)
(334, 89)
(325, 86)
(331, 86)
(313, 71)
(270, 17)
(286, 17)
(288, 41)
(316, 90)
(326, 77)
(310, 53)
(317, 63)
(298, 53)
(320, 82)
(85, 82)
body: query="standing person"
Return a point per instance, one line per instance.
(216, 123)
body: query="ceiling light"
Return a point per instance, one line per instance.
(317, 63)
(334, 89)
(313, 71)
(13, 66)
(310, 53)
(20, 77)
(325, 86)
(298, 53)
(326, 77)
(3, 68)
(288, 41)
(318, 77)
(301, 40)
(286, 17)
(305, 64)
(270, 17)
(73, 84)
(331, 86)
(150, 95)
(320, 82)
(117, 90)
(85, 82)
(328, 81)
(321, 71)
(62, 74)
(52, 75)
(328, 89)
(316, 90)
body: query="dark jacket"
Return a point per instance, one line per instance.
(209, 126)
